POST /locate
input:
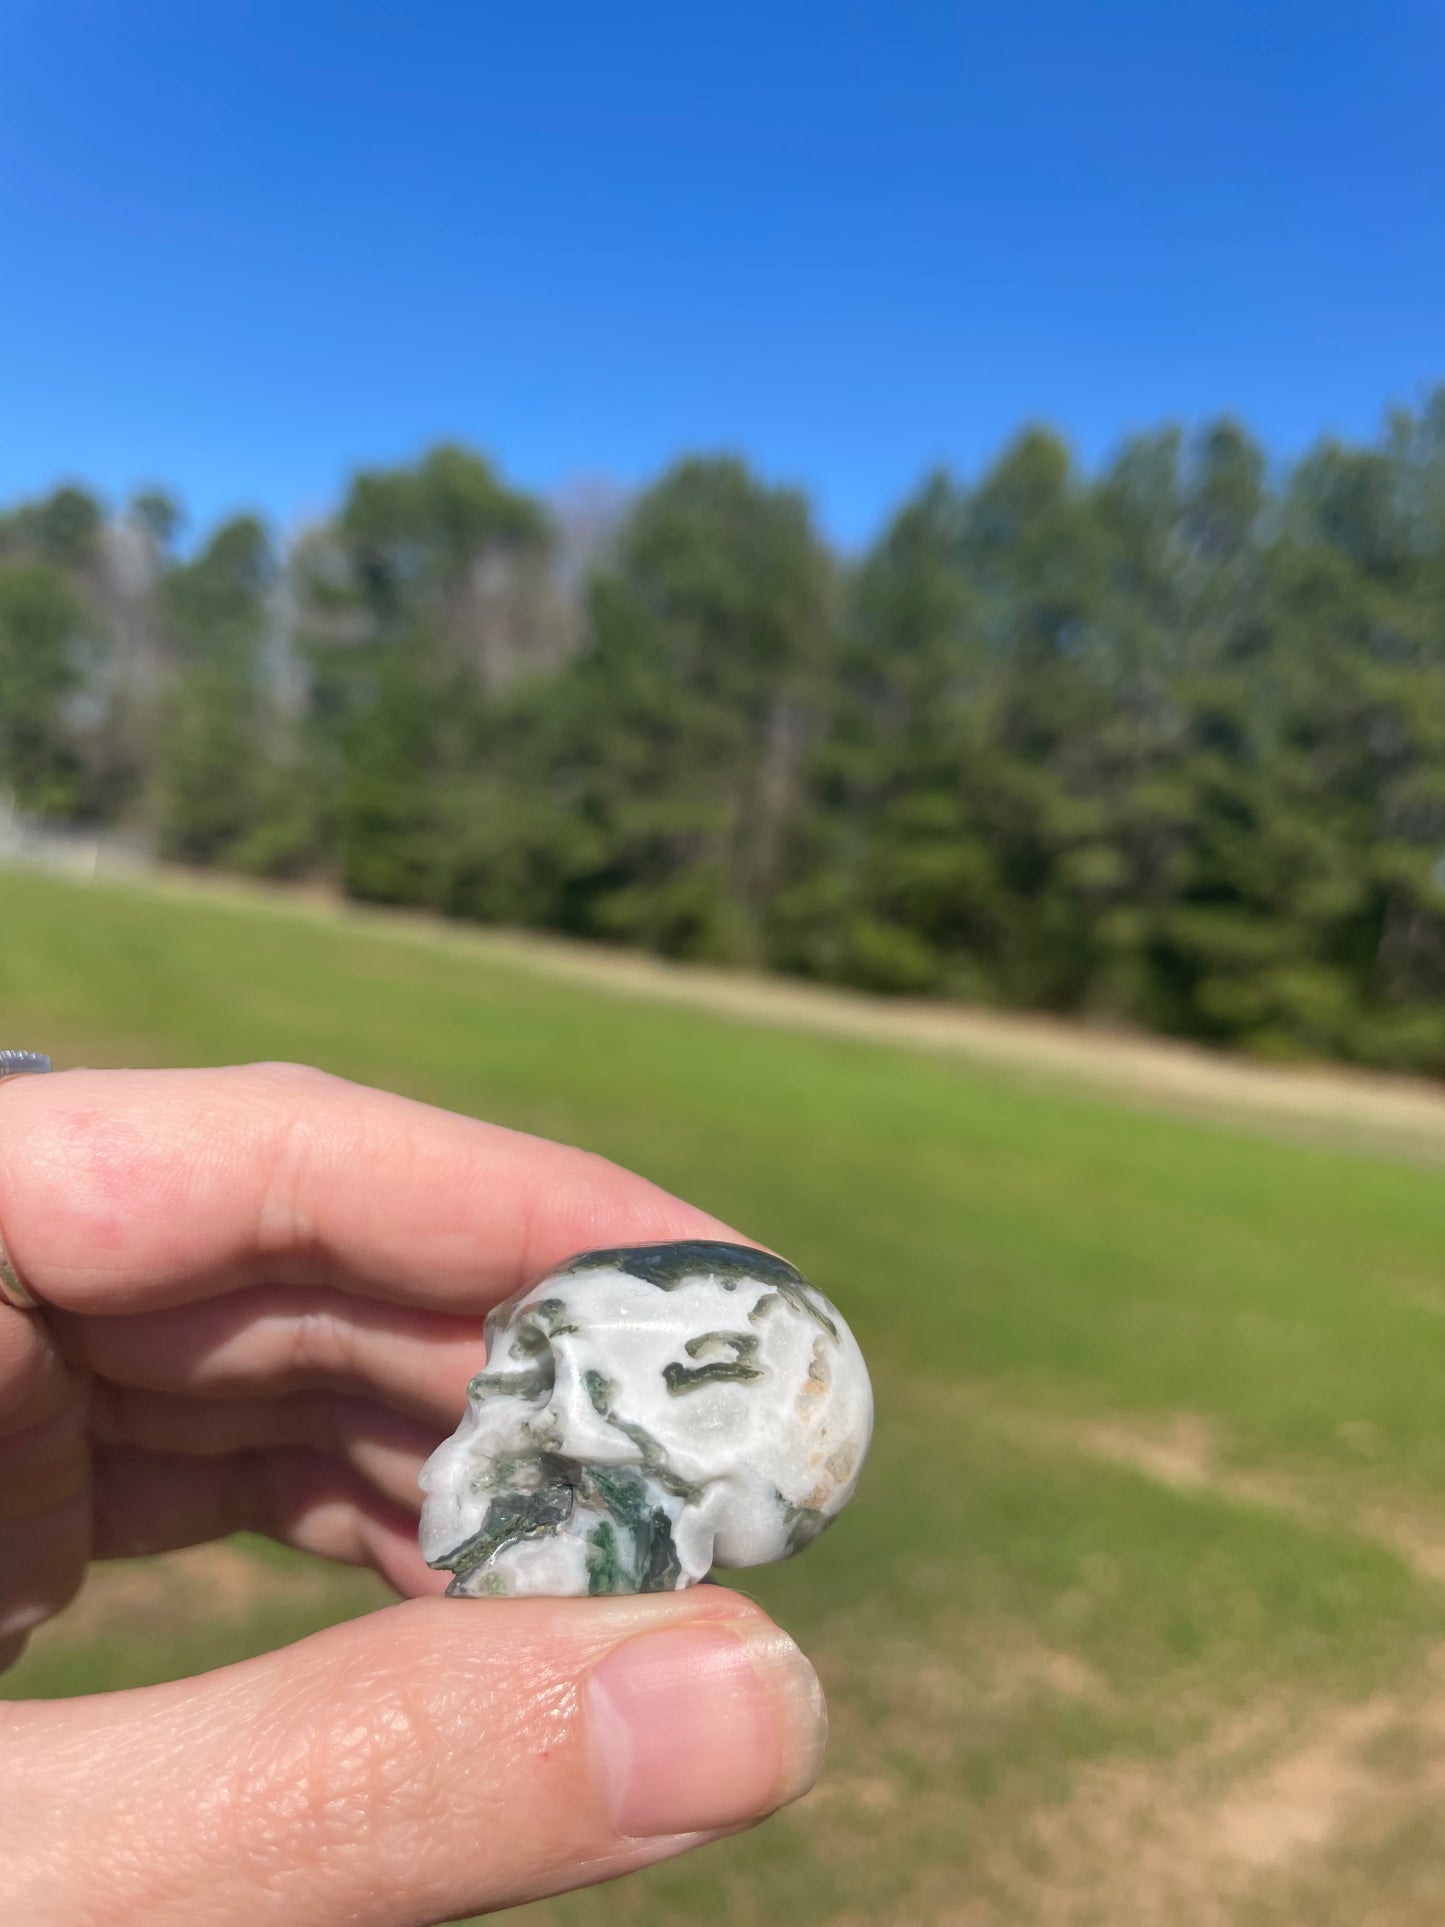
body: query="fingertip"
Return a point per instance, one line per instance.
(704, 1726)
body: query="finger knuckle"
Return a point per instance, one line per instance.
(288, 1077)
(318, 1346)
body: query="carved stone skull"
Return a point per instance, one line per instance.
(644, 1415)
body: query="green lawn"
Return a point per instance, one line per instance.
(1139, 1613)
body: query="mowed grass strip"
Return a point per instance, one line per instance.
(1157, 1506)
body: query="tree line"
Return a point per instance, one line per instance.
(1160, 744)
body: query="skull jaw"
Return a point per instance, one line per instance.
(587, 1530)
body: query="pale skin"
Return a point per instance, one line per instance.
(262, 1293)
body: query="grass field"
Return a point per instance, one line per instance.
(1141, 1613)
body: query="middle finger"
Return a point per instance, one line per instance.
(386, 1447)
(279, 1338)
(147, 1502)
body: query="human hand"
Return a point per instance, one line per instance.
(262, 1294)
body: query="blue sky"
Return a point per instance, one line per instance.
(245, 247)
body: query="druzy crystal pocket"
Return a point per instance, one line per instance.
(644, 1415)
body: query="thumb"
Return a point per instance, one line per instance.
(436, 1759)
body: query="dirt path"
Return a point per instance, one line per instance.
(1387, 1113)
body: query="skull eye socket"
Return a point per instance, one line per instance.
(528, 1369)
(721, 1355)
(530, 1340)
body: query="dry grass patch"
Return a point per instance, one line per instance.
(1270, 1810)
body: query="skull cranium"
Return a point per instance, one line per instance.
(645, 1414)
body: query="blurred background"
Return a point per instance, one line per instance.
(932, 523)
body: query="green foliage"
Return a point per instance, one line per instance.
(158, 513)
(62, 529)
(215, 747)
(41, 625)
(1163, 745)
(681, 735)
(398, 602)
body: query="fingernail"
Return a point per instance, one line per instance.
(700, 1727)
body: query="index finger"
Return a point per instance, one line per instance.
(128, 1189)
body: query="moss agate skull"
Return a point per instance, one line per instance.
(646, 1414)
